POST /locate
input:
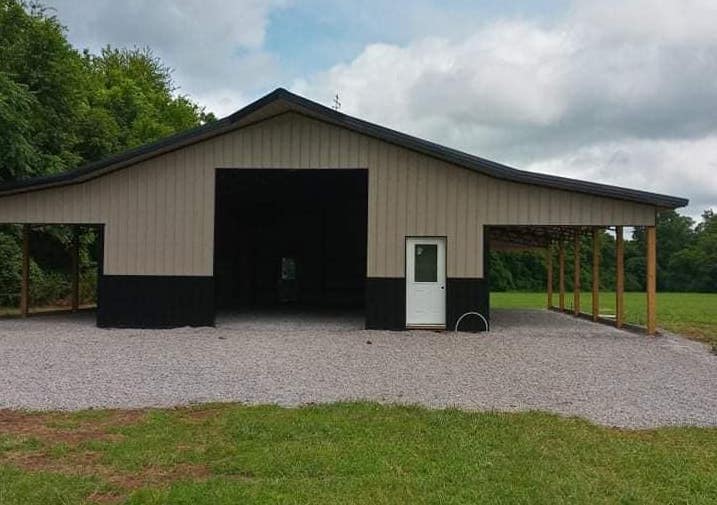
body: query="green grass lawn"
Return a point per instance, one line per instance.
(691, 314)
(346, 453)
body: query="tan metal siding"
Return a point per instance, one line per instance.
(159, 214)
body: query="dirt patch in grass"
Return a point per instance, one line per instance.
(200, 413)
(66, 428)
(41, 461)
(118, 483)
(152, 476)
(61, 450)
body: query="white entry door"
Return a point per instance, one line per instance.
(425, 282)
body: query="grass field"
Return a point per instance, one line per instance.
(690, 314)
(346, 453)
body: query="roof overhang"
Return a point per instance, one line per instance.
(280, 101)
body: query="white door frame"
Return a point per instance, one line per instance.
(426, 301)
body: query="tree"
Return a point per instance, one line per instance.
(18, 156)
(45, 92)
(694, 268)
(132, 102)
(674, 233)
(501, 278)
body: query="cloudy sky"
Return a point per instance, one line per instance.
(622, 92)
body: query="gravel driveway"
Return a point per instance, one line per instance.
(531, 360)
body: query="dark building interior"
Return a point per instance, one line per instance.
(290, 238)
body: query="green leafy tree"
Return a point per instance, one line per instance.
(501, 278)
(18, 155)
(674, 233)
(10, 254)
(694, 268)
(132, 102)
(46, 90)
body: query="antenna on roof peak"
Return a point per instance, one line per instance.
(337, 103)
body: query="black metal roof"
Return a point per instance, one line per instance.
(300, 103)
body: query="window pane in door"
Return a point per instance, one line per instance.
(288, 269)
(426, 263)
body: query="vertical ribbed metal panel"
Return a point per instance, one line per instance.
(159, 214)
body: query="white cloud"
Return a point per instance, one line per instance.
(682, 167)
(613, 88)
(667, 21)
(215, 46)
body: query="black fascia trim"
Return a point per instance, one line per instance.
(475, 163)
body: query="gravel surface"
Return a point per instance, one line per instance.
(531, 360)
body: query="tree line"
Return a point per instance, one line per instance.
(686, 259)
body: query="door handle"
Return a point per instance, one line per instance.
(443, 287)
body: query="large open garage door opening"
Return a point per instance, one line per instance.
(290, 241)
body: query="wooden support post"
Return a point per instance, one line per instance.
(596, 274)
(619, 278)
(549, 268)
(651, 236)
(576, 276)
(561, 275)
(25, 277)
(75, 268)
